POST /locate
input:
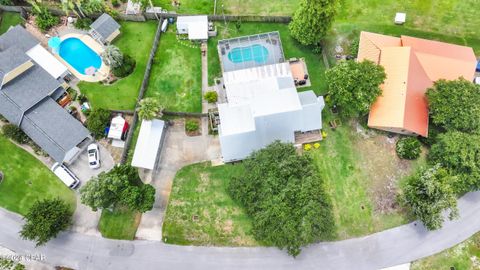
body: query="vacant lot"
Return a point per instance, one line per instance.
(200, 212)
(119, 224)
(464, 256)
(8, 19)
(27, 180)
(135, 40)
(291, 48)
(176, 77)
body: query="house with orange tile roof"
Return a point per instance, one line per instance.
(412, 66)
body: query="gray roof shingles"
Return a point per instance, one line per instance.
(105, 25)
(18, 37)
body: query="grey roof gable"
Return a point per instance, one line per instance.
(105, 25)
(18, 37)
(53, 129)
(9, 109)
(12, 58)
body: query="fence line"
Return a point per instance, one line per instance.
(143, 88)
(185, 114)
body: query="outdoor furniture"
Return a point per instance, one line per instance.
(305, 77)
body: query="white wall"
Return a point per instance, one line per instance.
(238, 146)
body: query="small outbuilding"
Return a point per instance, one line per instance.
(104, 29)
(149, 144)
(196, 27)
(118, 131)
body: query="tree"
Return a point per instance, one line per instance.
(149, 108)
(428, 193)
(126, 68)
(460, 154)
(455, 105)
(13, 132)
(121, 186)
(44, 19)
(408, 148)
(112, 56)
(45, 220)
(354, 86)
(285, 196)
(312, 20)
(97, 121)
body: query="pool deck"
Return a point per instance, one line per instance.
(102, 72)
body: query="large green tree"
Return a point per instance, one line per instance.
(455, 105)
(428, 193)
(312, 20)
(460, 154)
(286, 198)
(121, 186)
(354, 86)
(45, 220)
(97, 121)
(112, 56)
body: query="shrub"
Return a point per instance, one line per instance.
(192, 125)
(83, 23)
(44, 19)
(97, 121)
(115, 3)
(126, 68)
(408, 148)
(72, 93)
(82, 98)
(6, 2)
(354, 46)
(211, 96)
(15, 133)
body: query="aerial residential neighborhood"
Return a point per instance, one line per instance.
(225, 134)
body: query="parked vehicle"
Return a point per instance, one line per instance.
(67, 176)
(93, 156)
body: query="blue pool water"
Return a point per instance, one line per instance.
(257, 53)
(79, 55)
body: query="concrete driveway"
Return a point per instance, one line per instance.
(178, 151)
(84, 219)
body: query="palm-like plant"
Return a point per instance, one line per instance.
(149, 108)
(112, 56)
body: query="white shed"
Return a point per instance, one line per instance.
(148, 144)
(195, 26)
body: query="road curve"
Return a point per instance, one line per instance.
(388, 248)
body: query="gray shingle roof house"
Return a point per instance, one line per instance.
(105, 28)
(27, 99)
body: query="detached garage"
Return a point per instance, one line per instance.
(149, 144)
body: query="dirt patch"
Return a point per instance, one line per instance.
(228, 226)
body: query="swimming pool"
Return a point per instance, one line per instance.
(79, 55)
(256, 52)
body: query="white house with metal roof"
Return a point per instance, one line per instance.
(195, 26)
(263, 106)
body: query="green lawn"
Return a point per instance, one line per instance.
(8, 19)
(119, 224)
(291, 49)
(255, 7)
(200, 212)
(136, 40)
(187, 6)
(176, 77)
(464, 256)
(27, 180)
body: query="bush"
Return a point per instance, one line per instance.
(408, 148)
(126, 68)
(192, 125)
(6, 2)
(83, 23)
(211, 96)
(97, 121)
(82, 98)
(44, 19)
(15, 133)
(354, 46)
(115, 3)
(72, 93)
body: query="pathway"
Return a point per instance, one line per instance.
(388, 248)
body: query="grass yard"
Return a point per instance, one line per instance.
(135, 40)
(119, 224)
(255, 7)
(464, 256)
(187, 6)
(176, 77)
(200, 212)
(8, 19)
(27, 180)
(291, 49)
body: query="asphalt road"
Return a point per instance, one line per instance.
(388, 248)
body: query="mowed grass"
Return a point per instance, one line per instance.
(27, 180)
(464, 256)
(176, 78)
(291, 48)
(200, 211)
(255, 7)
(187, 6)
(119, 224)
(136, 40)
(8, 19)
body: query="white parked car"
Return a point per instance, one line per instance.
(67, 176)
(93, 156)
